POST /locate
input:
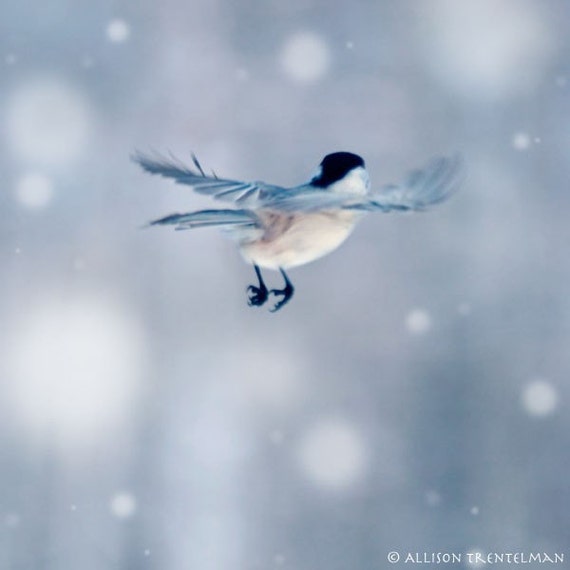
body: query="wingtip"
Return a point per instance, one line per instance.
(150, 157)
(144, 160)
(456, 161)
(136, 156)
(454, 175)
(458, 168)
(439, 180)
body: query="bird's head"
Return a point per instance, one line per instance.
(341, 169)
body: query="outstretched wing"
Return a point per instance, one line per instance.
(243, 193)
(242, 219)
(421, 189)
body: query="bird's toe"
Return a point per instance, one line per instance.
(256, 296)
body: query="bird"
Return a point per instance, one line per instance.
(278, 228)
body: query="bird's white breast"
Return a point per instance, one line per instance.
(298, 238)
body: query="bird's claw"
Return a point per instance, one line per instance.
(257, 296)
(286, 293)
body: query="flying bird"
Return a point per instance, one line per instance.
(278, 228)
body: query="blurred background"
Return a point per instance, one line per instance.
(412, 397)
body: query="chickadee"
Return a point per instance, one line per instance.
(278, 228)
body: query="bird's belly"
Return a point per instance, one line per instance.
(292, 240)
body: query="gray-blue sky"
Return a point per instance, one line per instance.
(149, 418)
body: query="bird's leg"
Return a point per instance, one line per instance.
(286, 292)
(257, 295)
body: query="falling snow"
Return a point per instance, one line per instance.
(521, 141)
(87, 359)
(539, 398)
(48, 121)
(118, 31)
(305, 57)
(507, 60)
(123, 505)
(433, 498)
(34, 190)
(418, 322)
(474, 561)
(333, 454)
(330, 433)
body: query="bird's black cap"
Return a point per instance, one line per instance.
(336, 166)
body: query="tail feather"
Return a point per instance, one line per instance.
(209, 218)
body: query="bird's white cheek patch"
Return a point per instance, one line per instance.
(355, 182)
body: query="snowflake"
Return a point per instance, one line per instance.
(539, 398)
(333, 454)
(118, 31)
(48, 121)
(34, 190)
(418, 321)
(521, 141)
(305, 57)
(123, 505)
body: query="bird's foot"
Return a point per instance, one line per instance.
(257, 296)
(286, 293)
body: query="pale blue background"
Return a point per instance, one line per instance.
(150, 419)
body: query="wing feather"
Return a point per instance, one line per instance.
(218, 188)
(208, 218)
(421, 189)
